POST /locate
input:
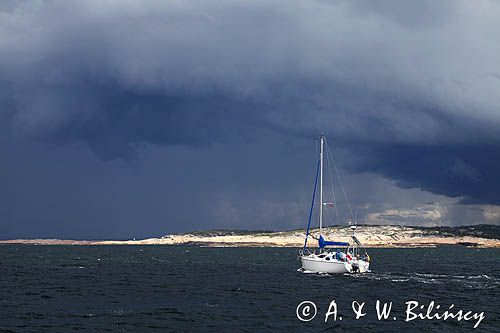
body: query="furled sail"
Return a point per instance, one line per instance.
(323, 243)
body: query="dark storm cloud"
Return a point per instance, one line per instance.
(466, 171)
(410, 90)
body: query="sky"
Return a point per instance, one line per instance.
(122, 119)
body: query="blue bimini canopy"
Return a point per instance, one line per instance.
(323, 243)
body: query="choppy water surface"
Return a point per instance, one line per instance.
(164, 288)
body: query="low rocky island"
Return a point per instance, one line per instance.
(374, 236)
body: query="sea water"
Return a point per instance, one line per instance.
(191, 289)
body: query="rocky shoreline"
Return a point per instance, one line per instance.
(373, 236)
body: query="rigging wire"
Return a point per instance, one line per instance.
(333, 191)
(330, 155)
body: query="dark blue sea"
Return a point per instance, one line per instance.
(199, 289)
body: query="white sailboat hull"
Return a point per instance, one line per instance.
(322, 266)
(315, 264)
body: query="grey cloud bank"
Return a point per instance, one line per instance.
(408, 91)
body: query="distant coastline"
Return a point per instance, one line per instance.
(374, 236)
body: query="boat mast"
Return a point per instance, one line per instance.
(322, 140)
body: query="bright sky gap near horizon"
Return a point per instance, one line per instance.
(127, 119)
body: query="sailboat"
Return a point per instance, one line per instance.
(331, 256)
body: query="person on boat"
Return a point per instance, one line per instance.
(338, 255)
